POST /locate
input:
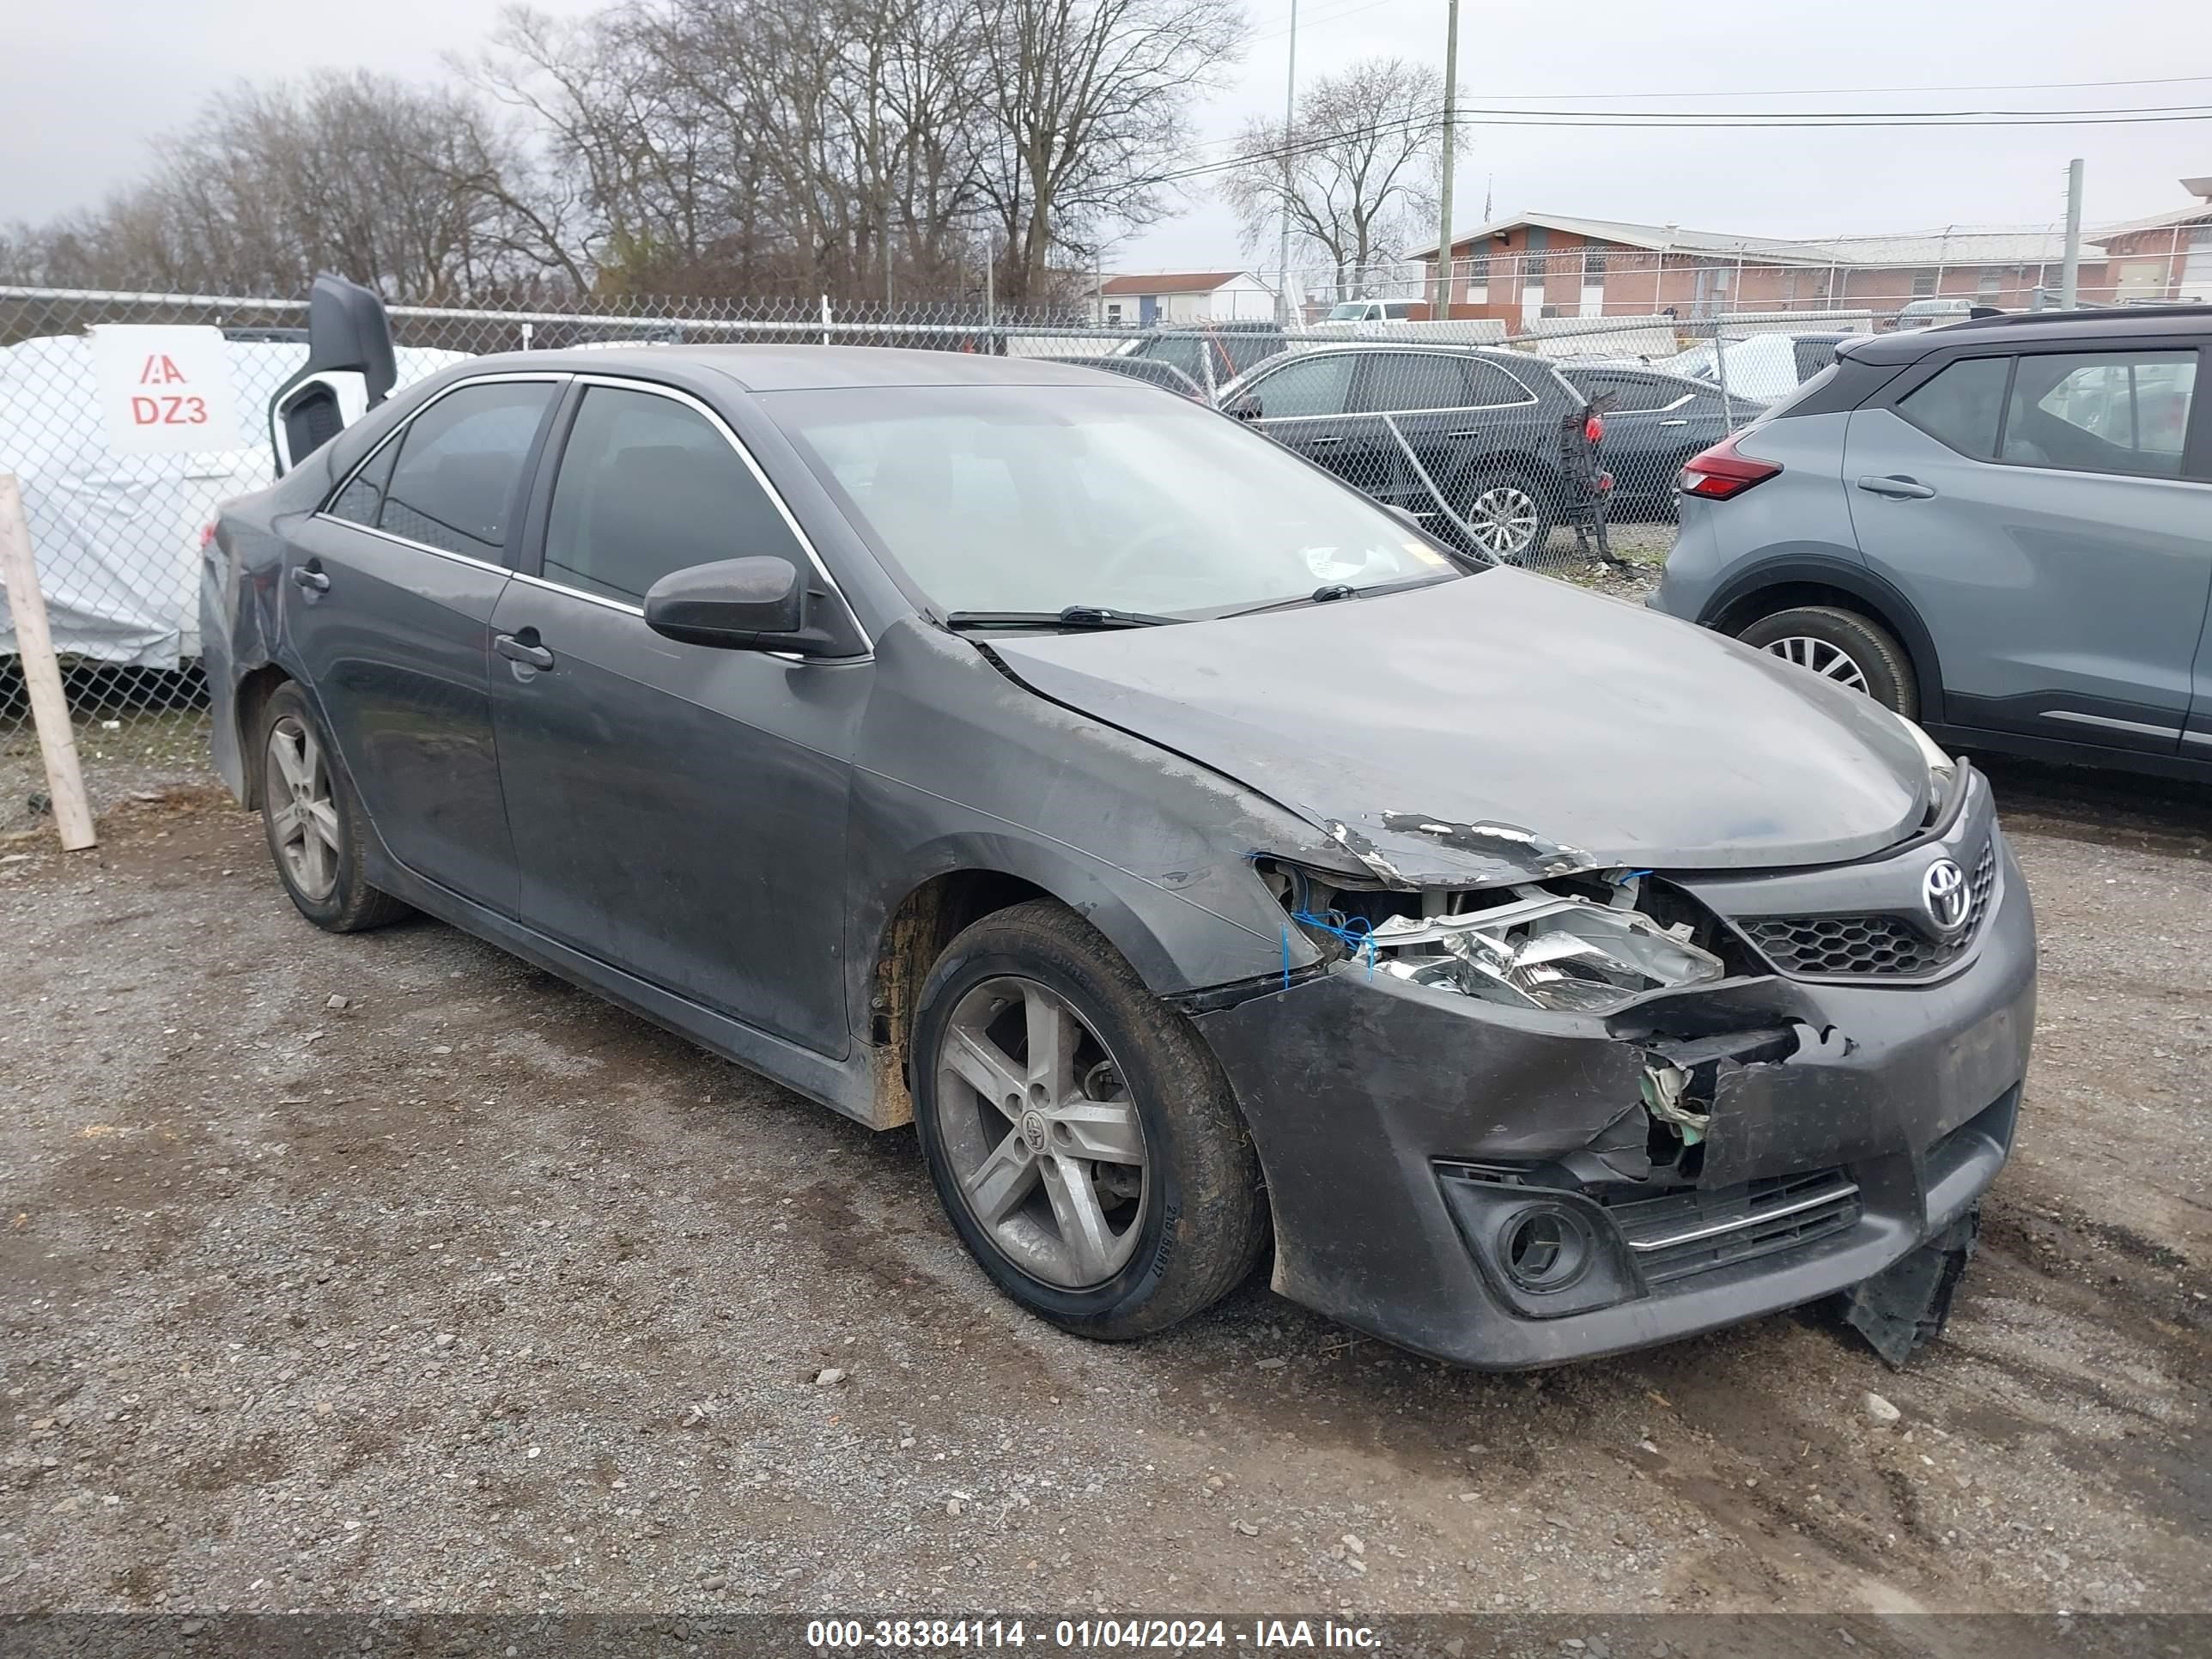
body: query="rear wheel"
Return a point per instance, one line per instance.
(314, 821)
(1844, 646)
(1509, 514)
(1081, 1137)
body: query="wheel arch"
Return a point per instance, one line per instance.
(252, 695)
(1170, 942)
(1786, 584)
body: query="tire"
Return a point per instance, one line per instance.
(1489, 503)
(1845, 646)
(317, 853)
(1166, 1237)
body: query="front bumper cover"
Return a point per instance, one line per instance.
(1396, 1125)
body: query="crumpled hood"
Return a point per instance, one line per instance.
(1506, 726)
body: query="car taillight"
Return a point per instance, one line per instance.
(1720, 474)
(1593, 429)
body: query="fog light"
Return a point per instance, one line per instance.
(1545, 1248)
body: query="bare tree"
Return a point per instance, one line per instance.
(410, 188)
(1090, 98)
(1365, 146)
(717, 148)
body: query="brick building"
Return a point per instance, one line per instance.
(1540, 264)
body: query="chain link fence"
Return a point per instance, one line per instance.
(1475, 426)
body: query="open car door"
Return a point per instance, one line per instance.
(350, 369)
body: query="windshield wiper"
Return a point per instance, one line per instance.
(1328, 593)
(1073, 616)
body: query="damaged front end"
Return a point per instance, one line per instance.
(1566, 1115)
(1590, 943)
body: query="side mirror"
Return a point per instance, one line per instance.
(739, 604)
(1245, 406)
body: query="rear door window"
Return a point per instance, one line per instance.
(1633, 394)
(2105, 411)
(457, 484)
(1961, 406)
(648, 485)
(1490, 386)
(1412, 379)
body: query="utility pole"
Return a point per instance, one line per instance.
(1290, 114)
(1445, 185)
(2069, 276)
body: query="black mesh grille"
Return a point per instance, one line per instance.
(1681, 1234)
(1862, 946)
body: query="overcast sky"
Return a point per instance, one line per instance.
(89, 85)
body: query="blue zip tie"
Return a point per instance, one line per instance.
(1356, 932)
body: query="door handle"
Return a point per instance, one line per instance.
(1320, 443)
(1673, 423)
(310, 577)
(1903, 489)
(528, 652)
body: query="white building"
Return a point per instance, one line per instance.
(1185, 296)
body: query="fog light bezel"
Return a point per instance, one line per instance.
(1488, 1206)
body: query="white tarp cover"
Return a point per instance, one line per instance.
(116, 537)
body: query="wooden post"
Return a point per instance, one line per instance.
(35, 645)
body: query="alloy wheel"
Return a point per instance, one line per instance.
(1041, 1133)
(1503, 520)
(303, 819)
(1829, 661)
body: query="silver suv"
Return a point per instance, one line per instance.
(2002, 528)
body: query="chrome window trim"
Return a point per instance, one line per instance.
(622, 383)
(555, 376)
(397, 540)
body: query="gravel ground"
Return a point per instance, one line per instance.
(473, 1292)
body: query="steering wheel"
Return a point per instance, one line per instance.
(1125, 552)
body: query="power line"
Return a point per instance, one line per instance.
(1807, 116)
(1868, 92)
(1713, 120)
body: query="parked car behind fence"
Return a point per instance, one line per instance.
(1466, 440)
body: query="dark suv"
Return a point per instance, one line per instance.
(2002, 528)
(1212, 354)
(1426, 427)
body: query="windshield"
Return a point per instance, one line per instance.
(1351, 311)
(1032, 498)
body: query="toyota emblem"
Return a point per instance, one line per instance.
(1943, 890)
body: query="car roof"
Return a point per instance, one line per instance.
(2117, 325)
(1453, 348)
(805, 367)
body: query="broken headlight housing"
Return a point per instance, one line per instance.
(1586, 945)
(1543, 951)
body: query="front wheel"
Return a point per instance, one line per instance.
(1844, 646)
(1081, 1137)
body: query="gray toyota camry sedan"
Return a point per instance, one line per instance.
(1208, 865)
